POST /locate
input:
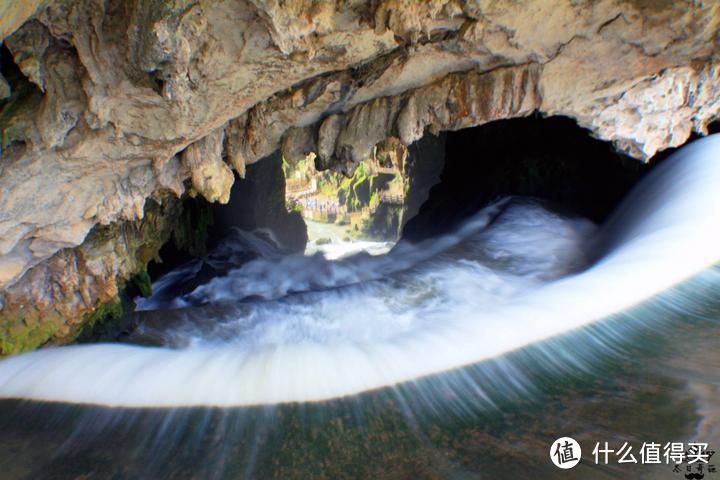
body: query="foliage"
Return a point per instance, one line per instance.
(374, 198)
(294, 206)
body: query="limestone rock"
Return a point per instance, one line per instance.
(210, 176)
(28, 46)
(14, 13)
(661, 111)
(63, 291)
(327, 138)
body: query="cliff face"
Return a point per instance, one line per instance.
(111, 102)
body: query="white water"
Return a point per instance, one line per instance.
(341, 249)
(332, 241)
(493, 287)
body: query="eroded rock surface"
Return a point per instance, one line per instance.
(119, 100)
(59, 296)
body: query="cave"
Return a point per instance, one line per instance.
(548, 158)
(449, 177)
(383, 239)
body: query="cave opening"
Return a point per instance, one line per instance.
(551, 158)
(414, 194)
(16, 93)
(425, 191)
(362, 208)
(10, 71)
(347, 212)
(444, 180)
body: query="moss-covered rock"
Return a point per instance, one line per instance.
(104, 313)
(142, 281)
(384, 224)
(191, 233)
(21, 334)
(78, 288)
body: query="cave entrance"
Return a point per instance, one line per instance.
(340, 211)
(440, 181)
(428, 188)
(365, 209)
(548, 158)
(346, 213)
(418, 192)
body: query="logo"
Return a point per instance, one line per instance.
(565, 452)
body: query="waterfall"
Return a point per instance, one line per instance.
(310, 329)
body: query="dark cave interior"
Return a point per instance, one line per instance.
(549, 158)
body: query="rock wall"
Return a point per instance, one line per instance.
(119, 99)
(78, 285)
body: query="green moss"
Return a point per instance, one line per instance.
(354, 192)
(103, 314)
(374, 198)
(383, 225)
(23, 335)
(346, 183)
(192, 231)
(143, 283)
(26, 324)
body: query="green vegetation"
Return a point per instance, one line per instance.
(384, 224)
(23, 335)
(374, 199)
(191, 233)
(103, 314)
(28, 333)
(294, 206)
(143, 283)
(354, 192)
(358, 197)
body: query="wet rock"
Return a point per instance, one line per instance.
(76, 286)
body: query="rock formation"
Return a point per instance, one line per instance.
(111, 102)
(258, 203)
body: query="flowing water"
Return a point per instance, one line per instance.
(464, 356)
(334, 243)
